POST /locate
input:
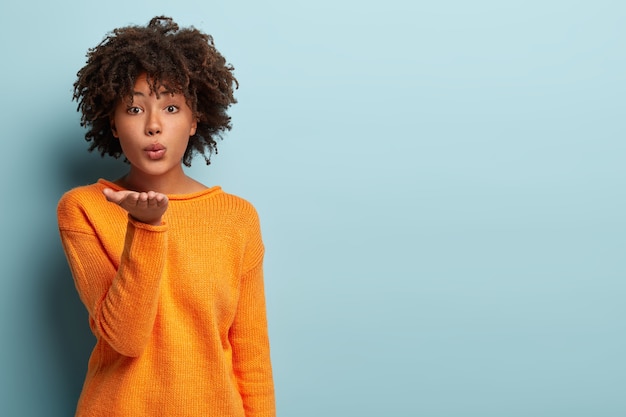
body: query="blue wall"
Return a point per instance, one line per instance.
(441, 187)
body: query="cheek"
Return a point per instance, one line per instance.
(127, 149)
(122, 128)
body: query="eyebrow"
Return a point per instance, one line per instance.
(166, 91)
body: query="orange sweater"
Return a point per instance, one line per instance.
(178, 310)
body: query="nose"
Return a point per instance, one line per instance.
(153, 124)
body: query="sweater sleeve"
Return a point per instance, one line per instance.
(249, 338)
(121, 298)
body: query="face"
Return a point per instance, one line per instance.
(153, 132)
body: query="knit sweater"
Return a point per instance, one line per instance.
(178, 310)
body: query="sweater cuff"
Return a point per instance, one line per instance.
(145, 226)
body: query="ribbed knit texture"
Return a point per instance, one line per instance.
(178, 310)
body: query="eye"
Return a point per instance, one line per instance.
(171, 109)
(133, 110)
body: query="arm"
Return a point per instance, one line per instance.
(249, 336)
(121, 295)
(251, 351)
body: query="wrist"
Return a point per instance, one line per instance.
(151, 222)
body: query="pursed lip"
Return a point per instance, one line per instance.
(154, 147)
(155, 151)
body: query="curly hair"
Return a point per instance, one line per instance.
(184, 60)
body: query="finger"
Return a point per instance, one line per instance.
(162, 200)
(152, 200)
(142, 200)
(113, 196)
(128, 201)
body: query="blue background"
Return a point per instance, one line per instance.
(441, 188)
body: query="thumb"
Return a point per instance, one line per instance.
(113, 196)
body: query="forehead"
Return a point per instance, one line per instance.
(147, 84)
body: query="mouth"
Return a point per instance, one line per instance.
(155, 151)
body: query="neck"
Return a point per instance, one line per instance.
(176, 182)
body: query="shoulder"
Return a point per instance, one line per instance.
(80, 196)
(245, 220)
(80, 203)
(217, 201)
(81, 193)
(237, 203)
(235, 210)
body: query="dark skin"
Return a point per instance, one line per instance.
(144, 207)
(153, 131)
(173, 63)
(184, 59)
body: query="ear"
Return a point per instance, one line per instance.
(114, 129)
(193, 128)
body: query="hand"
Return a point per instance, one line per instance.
(144, 207)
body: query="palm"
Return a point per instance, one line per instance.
(146, 207)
